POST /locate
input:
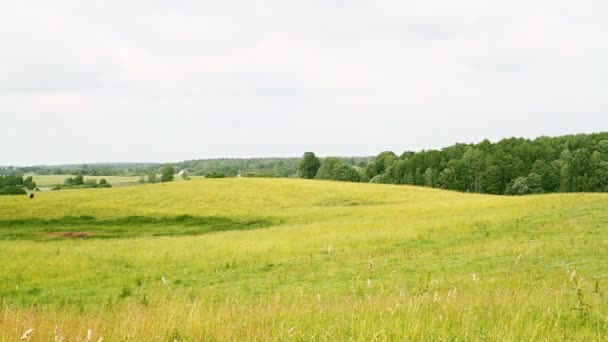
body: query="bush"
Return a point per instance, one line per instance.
(262, 174)
(13, 190)
(103, 183)
(90, 183)
(215, 175)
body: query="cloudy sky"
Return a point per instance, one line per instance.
(151, 80)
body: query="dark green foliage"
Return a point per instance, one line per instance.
(262, 174)
(16, 185)
(103, 183)
(29, 183)
(381, 164)
(12, 190)
(79, 182)
(256, 167)
(167, 174)
(308, 166)
(215, 175)
(130, 226)
(74, 181)
(326, 170)
(571, 163)
(334, 169)
(11, 180)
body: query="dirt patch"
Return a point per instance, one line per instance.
(69, 235)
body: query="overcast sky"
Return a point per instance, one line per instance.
(150, 80)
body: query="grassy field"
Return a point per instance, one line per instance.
(279, 259)
(48, 181)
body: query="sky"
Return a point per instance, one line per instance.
(164, 81)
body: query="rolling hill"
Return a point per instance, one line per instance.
(288, 259)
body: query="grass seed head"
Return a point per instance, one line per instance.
(26, 335)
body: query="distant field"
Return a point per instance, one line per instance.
(285, 259)
(51, 180)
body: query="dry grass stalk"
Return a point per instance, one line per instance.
(26, 335)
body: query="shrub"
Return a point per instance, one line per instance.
(12, 190)
(103, 183)
(90, 183)
(215, 175)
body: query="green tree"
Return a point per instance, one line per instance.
(79, 179)
(328, 165)
(167, 173)
(381, 164)
(29, 183)
(308, 166)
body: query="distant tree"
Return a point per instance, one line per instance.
(29, 183)
(326, 170)
(430, 177)
(335, 169)
(308, 166)
(381, 164)
(185, 175)
(103, 183)
(79, 179)
(345, 173)
(167, 174)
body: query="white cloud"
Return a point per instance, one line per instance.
(86, 81)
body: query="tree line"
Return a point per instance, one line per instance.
(515, 166)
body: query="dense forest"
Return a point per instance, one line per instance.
(515, 166)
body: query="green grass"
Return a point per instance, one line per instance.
(405, 263)
(131, 226)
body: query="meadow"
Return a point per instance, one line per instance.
(302, 260)
(48, 181)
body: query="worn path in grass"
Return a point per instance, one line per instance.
(328, 261)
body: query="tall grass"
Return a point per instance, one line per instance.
(402, 264)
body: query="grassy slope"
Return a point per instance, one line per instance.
(425, 245)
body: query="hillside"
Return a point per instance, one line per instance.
(302, 260)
